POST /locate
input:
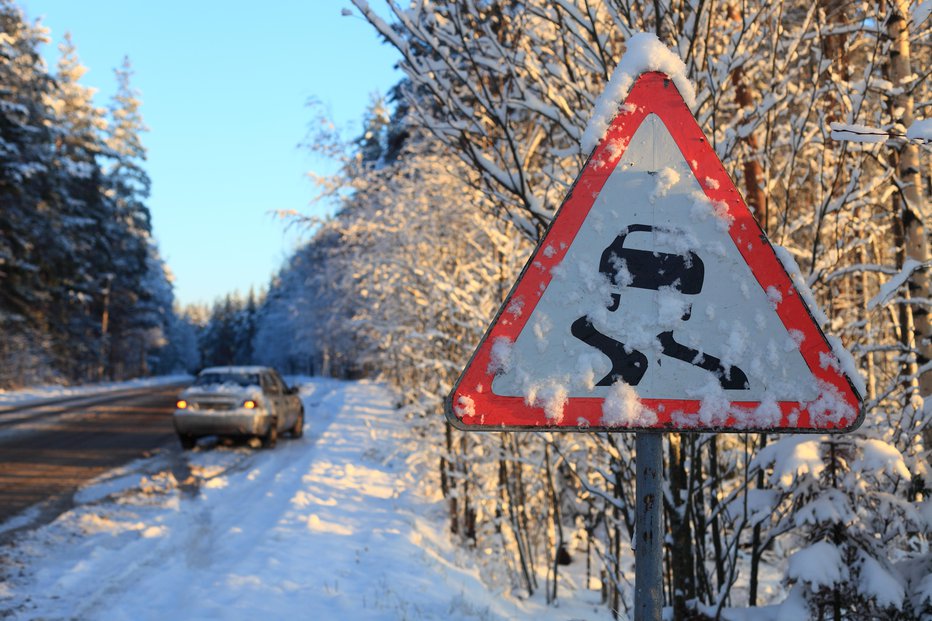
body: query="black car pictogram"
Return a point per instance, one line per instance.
(627, 267)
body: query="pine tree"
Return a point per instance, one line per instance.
(82, 291)
(80, 296)
(31, 251)
(128, 231)
(246, 330)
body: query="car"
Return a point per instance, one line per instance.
(243, 401)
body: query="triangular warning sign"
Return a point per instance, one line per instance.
(655, 301)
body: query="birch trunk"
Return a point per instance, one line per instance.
(910, 204)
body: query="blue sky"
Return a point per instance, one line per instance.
(225, 86)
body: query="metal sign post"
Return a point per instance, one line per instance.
(648, 551)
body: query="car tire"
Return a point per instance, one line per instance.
(187, 442)
(298, 430)
(270, 439)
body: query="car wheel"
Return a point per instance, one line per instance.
(270, 439)
(298, 430)
(187, 442)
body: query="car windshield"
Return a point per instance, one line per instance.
(237, 379)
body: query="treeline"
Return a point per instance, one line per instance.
(224, 333)
(451, 182)
(251, 329)
(264, 328)
(84, 294)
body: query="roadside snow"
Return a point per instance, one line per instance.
(44, 393)
(335, 525)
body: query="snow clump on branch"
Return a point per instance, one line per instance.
(644, 52)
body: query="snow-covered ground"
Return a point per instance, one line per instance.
(334, 525)
(44, 393)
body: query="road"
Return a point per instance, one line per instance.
(48, 451)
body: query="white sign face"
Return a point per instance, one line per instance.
(653, 292)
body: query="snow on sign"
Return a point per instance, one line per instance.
(655, 301)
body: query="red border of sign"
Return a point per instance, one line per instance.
(652, 93)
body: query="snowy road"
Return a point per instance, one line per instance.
(329, 526)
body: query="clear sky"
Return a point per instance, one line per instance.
(225, 86)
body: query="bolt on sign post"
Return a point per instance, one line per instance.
(654, 302)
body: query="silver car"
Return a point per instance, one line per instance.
(238, 401)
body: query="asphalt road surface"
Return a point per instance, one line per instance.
(48, 451)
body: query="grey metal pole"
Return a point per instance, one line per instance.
(648, 551)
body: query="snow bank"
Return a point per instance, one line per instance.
(43, 393)
(644, 52)
(334, 525)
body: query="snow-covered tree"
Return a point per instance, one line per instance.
(507, 89)
(78, 141)
(28, 219)
(129, 229)
(75, 244)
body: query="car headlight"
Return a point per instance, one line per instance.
(249, 404)
(181, 404)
